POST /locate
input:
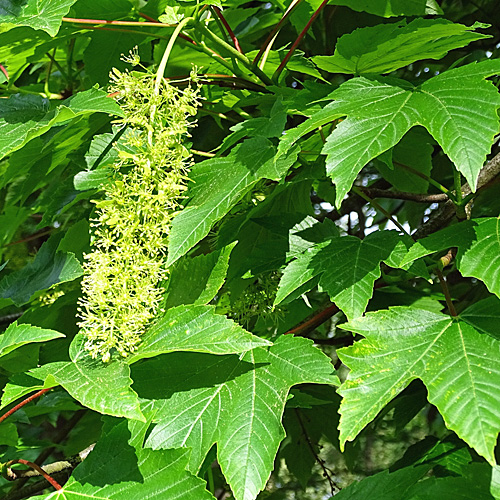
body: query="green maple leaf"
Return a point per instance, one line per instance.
(18, 335)
(49, 267)
(218, 184)
(410, 483)
(118, 467)
(43, 15)
(387, 47)
(345, 267)
(478, 242)
(458, 108)
(197, 280)
(195, 328)
(458, 364)
(234, 402)
(103, 387)
(389, 8)
(24, 117)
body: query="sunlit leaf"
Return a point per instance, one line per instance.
(43, 15)
(23, 117)
(457, 107)
(458, 365)
(219, 183)
(236, 403)
(18, 335)
(119, 468)
(102, 387)
(387, 47)
(195, 329)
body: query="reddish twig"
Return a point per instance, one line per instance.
(232, 82)
(134, 23)
(61, 434)
(36, 467)
(4, 71)
(319, 318)
(335, 341)
(156, 24)
(31, 237)
(299, 39)
(24, 402)
(275, 30)
(123, 30)
(149, 18)
(228, 28)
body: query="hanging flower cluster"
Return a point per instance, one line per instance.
(257, 300)
(123, 273)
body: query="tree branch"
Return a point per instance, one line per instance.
(59, 436)
(400, 195)
(33, 489)
(446, 292)
(312, 323)
(444, 215)
(35, 470)
(52, 468)
(274, 31)
(335, 341)
(10, 318)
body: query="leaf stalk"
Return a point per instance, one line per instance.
(446, 292)
(295, 44)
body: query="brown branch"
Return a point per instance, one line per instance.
(123, 30)
(149, 18)
(445, 214)
(335, 341)
(59, 470)
(116, 23)
(33, 236)
(400, 195)
(311, 324)
(36, 488)
(10, 318)
(353, 203)
(52, 468)
(231, 81)
(156, 24)
(320, 317)
(59, 436)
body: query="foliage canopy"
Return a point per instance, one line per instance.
(247, 246)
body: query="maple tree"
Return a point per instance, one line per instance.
(240, 239)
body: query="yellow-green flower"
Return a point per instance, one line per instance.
(121, 292)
